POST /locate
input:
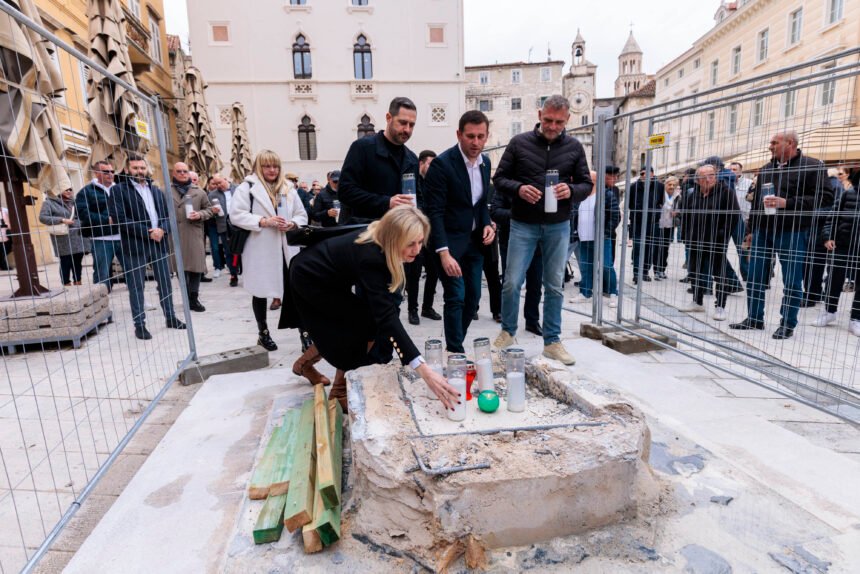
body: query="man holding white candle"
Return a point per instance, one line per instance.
(455, 198)
(526, 175)
(192, 209)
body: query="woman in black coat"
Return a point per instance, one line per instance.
(841, 237)
(707, 216)
(346, 327)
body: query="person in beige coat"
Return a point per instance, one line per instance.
(192, 209)
(267, 206)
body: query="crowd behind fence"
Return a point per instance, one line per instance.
(77, 382)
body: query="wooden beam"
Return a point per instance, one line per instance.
(284, 453)
(261, 480)
(270, 522)
(325, 467)
(328, 524)
(300, 497)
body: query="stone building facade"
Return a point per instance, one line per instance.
(313, 76)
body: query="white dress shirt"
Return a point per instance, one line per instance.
(145, 194)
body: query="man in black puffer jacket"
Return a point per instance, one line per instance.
(841, 237)
(794, 186)
(536, 222)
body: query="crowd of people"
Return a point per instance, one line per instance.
(392, 214)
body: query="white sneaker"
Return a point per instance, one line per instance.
(720, 314)
(579, 299)
(216, 274)
(824, 319)
(150, 306)
(692, 307)
(613, 301)
(854, 327)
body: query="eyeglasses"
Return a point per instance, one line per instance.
(103, 170)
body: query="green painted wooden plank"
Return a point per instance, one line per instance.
(261, 480)
(270, 522)
(325, 466)
(283, 459)
(328, 524)
(300, 497)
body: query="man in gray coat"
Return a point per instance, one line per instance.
(192, 210)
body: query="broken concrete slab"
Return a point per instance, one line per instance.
(234, 361)
(596, 332)
(628, 343)
(580, 477)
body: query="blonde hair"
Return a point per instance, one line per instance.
(269, 158)
(392, 234)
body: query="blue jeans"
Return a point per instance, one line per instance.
(103, 254)
(586, 265)
(790, 247)
(134, 267)
(553, 239)
(462, 295)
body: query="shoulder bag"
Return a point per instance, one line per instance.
(60, 228)
(239, 236)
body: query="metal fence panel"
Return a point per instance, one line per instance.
(736, 123)
(76, 383)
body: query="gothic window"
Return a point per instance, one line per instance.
(307, 140)
(362, 59)
(577, 55)
(301, 58)
(365, 128)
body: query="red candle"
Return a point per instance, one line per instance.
(470, 378)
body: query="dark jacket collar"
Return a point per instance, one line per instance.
(541, 138)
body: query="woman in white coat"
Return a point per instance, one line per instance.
(267, 206)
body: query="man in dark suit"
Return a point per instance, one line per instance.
(371, 180)
(455, 197)
(140, 210)
(647, 214)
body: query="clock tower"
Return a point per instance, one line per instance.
(579, 85)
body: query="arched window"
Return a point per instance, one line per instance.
(362, 59)
(301, 58)
(307, 140)
(365, 128)
(577, 55)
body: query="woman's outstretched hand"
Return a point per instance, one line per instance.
(439, 385)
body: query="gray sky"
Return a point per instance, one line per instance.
(503, 30)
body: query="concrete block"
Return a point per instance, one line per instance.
(540, 484)
(592, 331)
(4, 325)
(235, 361)
(34, 323)
(629, 343)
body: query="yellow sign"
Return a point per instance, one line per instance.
(142, 128)
(656, 141)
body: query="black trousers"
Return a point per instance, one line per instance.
(70, 266)
(843, 264)
(494, 280)
(192, 282)
(260, 304)
(429, 261)
(813, 268)
(664, 240)
(5, 247)
(705, 261)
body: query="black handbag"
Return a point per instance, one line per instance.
(239, 236)
(307, 235)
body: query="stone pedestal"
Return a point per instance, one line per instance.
(571, 462)
(67, 315)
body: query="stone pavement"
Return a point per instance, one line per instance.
(752, 479)
(785, 481)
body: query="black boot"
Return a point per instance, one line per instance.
(265, 341)
(194, 303)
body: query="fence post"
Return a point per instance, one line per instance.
(599, 223)
(174, 228)
(643, 233)
(625, 220)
